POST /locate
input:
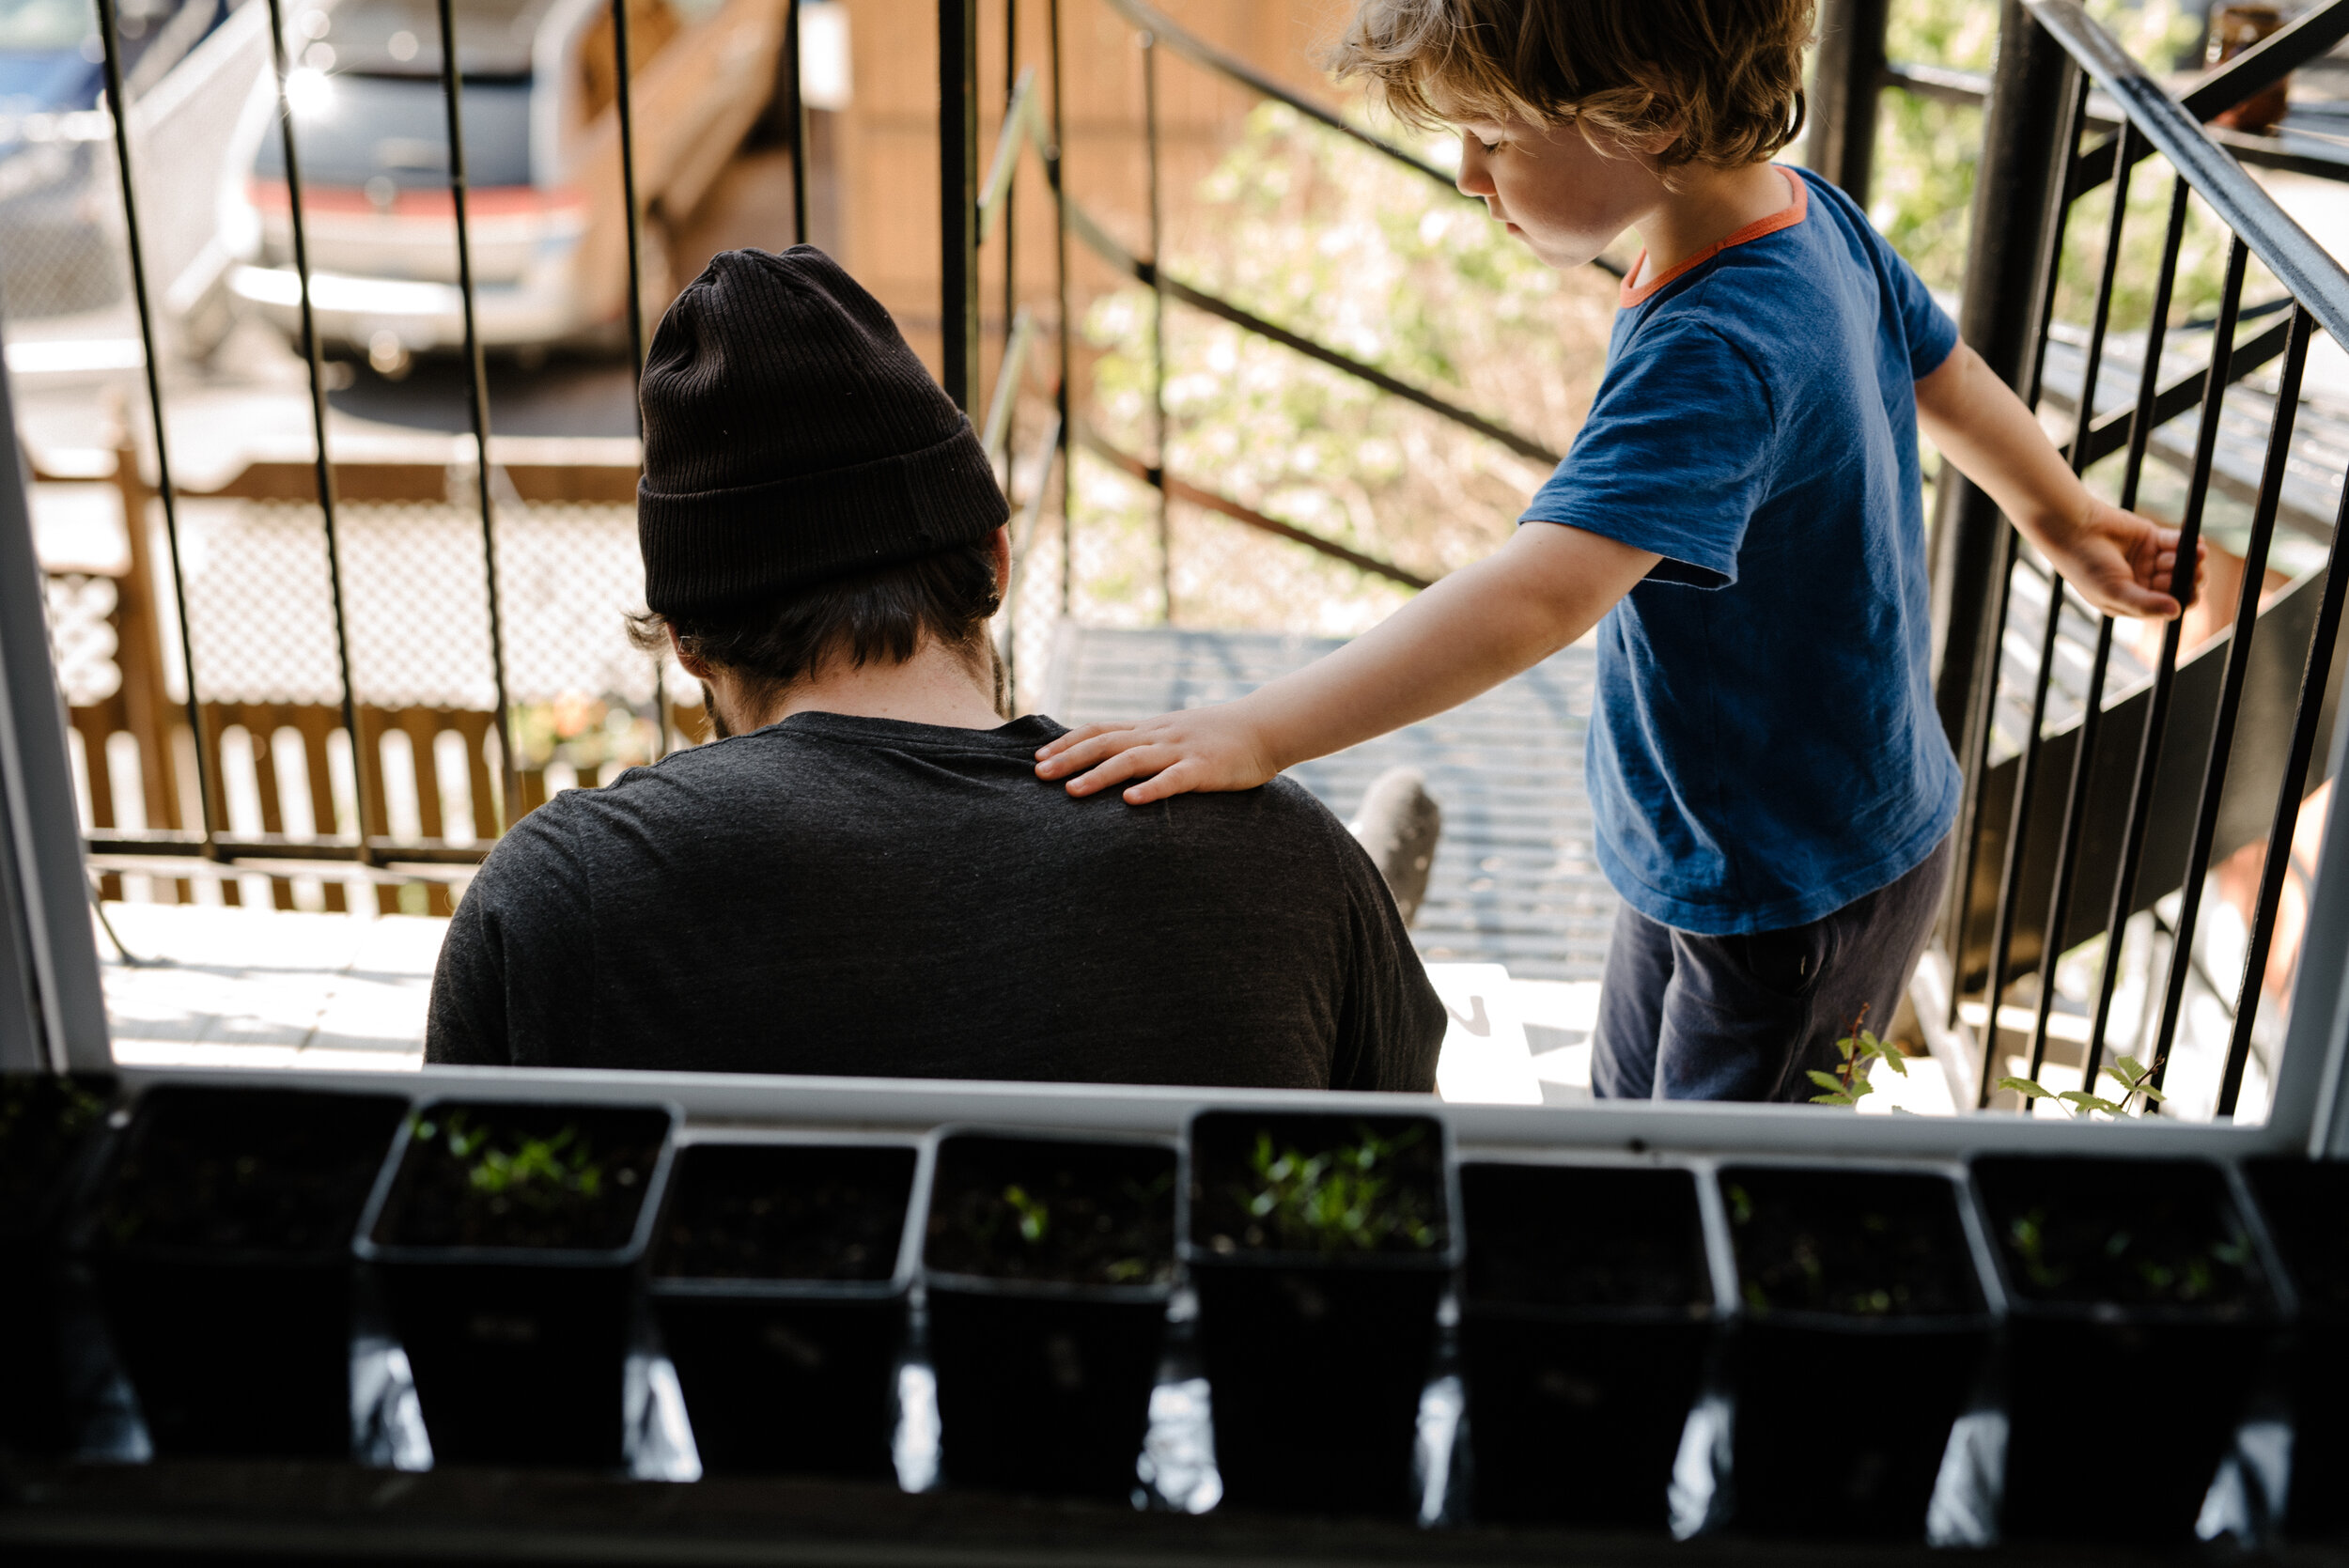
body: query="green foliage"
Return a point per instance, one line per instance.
(1927, 152)
(1849, 1083)
(1092, 1232)
(1333, 240)
(1036, 1216)
(584, 732)
(2194, 1278)
(1343, 1200)
(2135, 1077)
(526, 1172)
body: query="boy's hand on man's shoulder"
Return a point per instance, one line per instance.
(2123, 564)
(1199, 748)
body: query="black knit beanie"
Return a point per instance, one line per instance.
(792, 437)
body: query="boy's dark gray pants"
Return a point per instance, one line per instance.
(1689, 1017)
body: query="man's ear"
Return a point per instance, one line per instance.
(998, 544)
(692, 664)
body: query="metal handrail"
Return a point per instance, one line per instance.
(2245, 77)
(1019, 124)
(1099, 239)
(2300, 264)
(1208, 57)
(1199, 51)
(1240, 512)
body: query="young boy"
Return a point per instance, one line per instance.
(1740, 516)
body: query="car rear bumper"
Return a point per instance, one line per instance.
(423, 316)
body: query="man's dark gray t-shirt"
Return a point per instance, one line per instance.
(861, 897)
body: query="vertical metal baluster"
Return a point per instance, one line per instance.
(2230, 690)
(1010, 611)
(1010, 226)
(2166, 670)
(2140, 435)
(2092, 712)
(1056, 172)
(325, 474)
(623, 100)
(958, 198)
(1158, 321)
(118, 104)
(2091, 718)
(2027, 766)
(624, 104)
(476, 373)
(2314, 674)
(795, 110)
(1986, 716)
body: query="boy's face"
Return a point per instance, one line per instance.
(1559, 195)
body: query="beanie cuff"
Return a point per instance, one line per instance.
(709, 548)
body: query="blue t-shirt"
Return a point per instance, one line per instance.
(1766, 747)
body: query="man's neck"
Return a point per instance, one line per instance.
(937, 686)
(1712, 205)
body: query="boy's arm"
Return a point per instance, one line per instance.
(1474, 630)
(2120, 561)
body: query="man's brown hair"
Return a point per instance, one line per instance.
(780, 641)
(1725, 75)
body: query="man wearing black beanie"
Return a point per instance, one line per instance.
(862, 875)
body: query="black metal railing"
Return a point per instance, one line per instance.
(2026, 848)
(2143, 774)
(974, 214)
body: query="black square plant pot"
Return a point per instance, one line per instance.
(779, 1282)
(51, 1130)
(2305, 1207)
(221, 1238)
(1586, 1317)
(1047, 1264)
(2139, 1318)
(507, 1236)
(1862, 1336)
(1321, 1244)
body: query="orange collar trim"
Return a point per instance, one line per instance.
(1785, 217)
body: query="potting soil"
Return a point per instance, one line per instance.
(1860, 1243)
(1582, 1236)
(1009, 1209)
(43, 1119)
(233, 1170)
(787, 1213)
(2121, 1234)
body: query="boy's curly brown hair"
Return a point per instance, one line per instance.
(1725, 75)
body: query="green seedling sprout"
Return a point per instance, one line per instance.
(1848, 1083)
(1806, 1257)
(1035, 1219)
(1335, 1202)
(2136, 1080)
(2192, 1281)
(533, 1172)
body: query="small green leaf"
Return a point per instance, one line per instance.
(2027, 1088)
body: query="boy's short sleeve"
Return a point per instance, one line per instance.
(1927, 327)
(1677, 453)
